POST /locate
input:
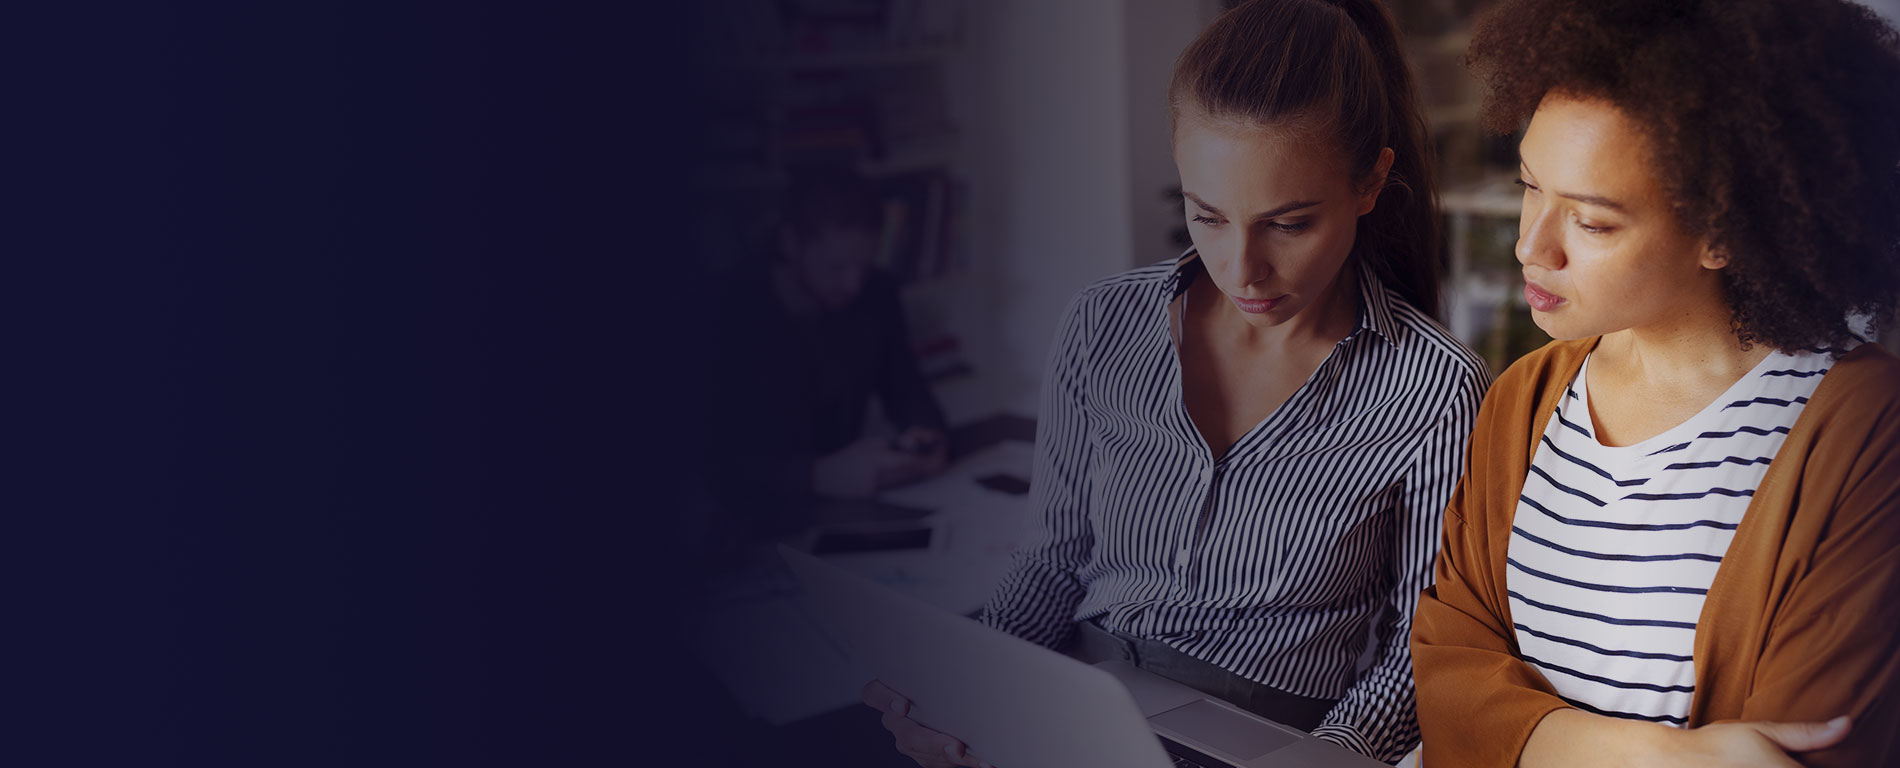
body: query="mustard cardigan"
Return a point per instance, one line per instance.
(1801, 623)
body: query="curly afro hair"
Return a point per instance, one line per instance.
(1775, 125)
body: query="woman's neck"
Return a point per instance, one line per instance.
(1691, 351)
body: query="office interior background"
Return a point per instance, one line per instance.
(1022, 149)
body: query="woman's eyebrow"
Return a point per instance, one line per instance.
(1202, 203)
(1596, 200)
(1280, 211)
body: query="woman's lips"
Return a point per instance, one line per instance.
(1540, 299)
(1257, 306)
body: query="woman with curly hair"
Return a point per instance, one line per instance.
(1678, 539)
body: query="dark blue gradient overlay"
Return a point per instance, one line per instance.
(344, 384)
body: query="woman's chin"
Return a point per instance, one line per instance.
(1560, 328)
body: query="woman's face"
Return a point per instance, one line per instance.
(1601, 246)
(1272, 213)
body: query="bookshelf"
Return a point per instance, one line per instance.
(865, 84)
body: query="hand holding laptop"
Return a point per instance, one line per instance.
(929, 748)
(1027, 705)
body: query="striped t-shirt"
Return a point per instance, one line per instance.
(1613, 549)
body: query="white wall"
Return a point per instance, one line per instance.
(1153, 33)
(1064, 126)
(1888, 9)
(1046, 160)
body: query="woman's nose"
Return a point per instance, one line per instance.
(1253, 264)
(1538, 241)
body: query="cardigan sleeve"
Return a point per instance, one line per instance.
(1832, 648)
(1477, 702)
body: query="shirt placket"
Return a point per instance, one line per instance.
(1196, 525)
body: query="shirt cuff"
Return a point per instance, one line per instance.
(1345, 736)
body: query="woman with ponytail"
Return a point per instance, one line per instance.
(1244, 452)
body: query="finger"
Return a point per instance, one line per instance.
(877, 696)
(929, 747)
(904, 734)
(970, 760)
(902, 727)
(897, 705)
(957, 753)
(914, 737)
(1805, 737)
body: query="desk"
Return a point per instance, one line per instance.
(974, 530)
(783, 668)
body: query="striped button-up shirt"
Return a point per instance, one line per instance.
(1274, 560)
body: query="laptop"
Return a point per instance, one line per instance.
(1020, 705)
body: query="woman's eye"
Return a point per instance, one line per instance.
(1594, 230)
(1525, 184)
(1199, 219)
(1292, 228)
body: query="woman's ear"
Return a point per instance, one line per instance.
(1374, 182)
(1712, 258)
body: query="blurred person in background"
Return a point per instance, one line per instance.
(845, 317)
(814, 339)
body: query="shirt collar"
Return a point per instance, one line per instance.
(1375, 302)
(1187, 266)
(1375, 306)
